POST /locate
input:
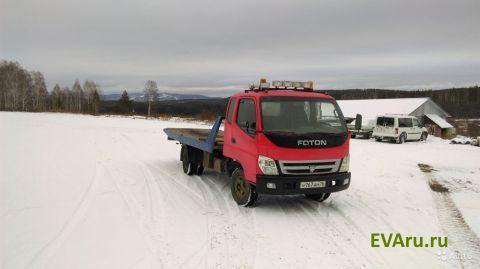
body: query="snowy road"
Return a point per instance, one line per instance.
(105, 192)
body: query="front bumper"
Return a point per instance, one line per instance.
(291, 184)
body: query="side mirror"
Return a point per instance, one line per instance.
(358, 122)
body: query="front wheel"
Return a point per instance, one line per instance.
(319, 197)
(243, 192)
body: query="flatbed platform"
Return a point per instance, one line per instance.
(199, 134)
(204, 139)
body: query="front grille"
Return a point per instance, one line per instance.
(311, 167)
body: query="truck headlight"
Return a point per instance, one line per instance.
(267, 165)
(345, 164)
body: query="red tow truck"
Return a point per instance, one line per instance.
(278, 138)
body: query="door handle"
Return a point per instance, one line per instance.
(234, 140)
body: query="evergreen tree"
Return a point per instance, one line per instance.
(124, 103)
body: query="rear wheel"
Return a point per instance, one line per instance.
(378, 139)
(424, 136)
(354, 135)
(243, 192)
(319, 197)
(189, 168)
(199, 170)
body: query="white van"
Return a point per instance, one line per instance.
(399, 128)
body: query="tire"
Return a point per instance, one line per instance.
(378, 139)
(367, 136)
(424, 136)
(199, 170)
(402, 138)
(189, 168)
(319, 197)
(243, 192)
(354, 135)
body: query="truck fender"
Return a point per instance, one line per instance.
(232, 165)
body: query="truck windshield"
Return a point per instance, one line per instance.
(301, 116)
(384, 121)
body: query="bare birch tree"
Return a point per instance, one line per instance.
(150, 94)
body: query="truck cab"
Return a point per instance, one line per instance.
(279, 138)
(286, 140)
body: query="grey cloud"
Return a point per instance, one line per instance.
(215, 47)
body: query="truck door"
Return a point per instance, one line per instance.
(243, 137)
(229, 125)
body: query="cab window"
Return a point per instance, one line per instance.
(246, 116)
(384, 121)
(405, 122)
(415, 122)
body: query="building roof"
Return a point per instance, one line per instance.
(371, 108)
(439, 121)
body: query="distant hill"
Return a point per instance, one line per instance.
(164, 96)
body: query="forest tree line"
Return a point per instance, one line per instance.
(23, 90)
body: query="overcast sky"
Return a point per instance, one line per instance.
(217, 47)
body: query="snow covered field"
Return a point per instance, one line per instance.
(107, 192)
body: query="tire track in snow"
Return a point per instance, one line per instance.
(350, 224)
(303, 208)
(142, 216)
(220, 213)
(463, 239)
(203, 199)
(217, 251)
(139, 215)
(43, 256)
(215, 212)
(236, 226)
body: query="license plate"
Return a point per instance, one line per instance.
(312, 184)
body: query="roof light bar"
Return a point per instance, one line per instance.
(292, 84)
(282, 84)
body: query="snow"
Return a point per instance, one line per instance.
(439, 121)
(371, 108)
(109, 192)
(464, 140)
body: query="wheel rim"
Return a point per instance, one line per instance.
(240, 187)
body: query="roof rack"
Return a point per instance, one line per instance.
(306, 86)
